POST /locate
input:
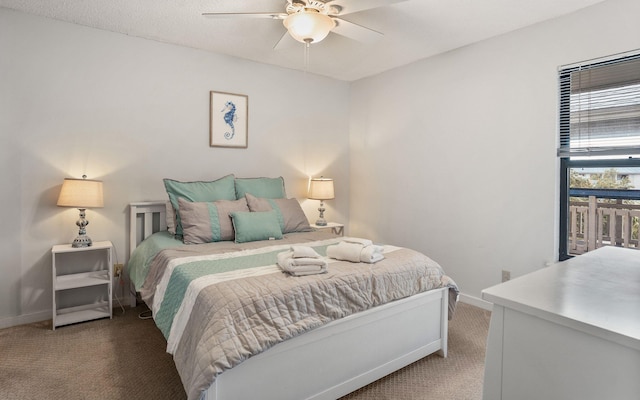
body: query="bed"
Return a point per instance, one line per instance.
(357, 336)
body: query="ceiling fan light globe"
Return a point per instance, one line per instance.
(309, 26)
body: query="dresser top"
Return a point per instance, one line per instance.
(597, 292)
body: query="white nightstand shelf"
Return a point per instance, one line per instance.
(335, 227)
(82, 279)
(82, 283)
(71, 315)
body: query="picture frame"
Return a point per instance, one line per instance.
(228, 120)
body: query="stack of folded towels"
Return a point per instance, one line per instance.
(301, 261)
(356, 250)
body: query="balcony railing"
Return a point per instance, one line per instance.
(603, 220)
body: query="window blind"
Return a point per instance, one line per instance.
(600, 108)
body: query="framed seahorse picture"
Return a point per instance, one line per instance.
(228, 120)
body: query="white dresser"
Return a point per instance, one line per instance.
(568, 331)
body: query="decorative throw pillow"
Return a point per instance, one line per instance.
(221, 189)
(206, 222)
(271, 188)
(290, 214)
(253, 226)
(171, 218)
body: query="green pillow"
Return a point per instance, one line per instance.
(221, 189)
(253, 226)
(270, 188)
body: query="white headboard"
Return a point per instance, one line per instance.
(145, 218)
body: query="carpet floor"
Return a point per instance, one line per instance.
(124, 358)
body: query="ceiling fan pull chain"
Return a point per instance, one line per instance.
(307, 49)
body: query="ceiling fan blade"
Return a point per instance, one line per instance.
(344, 7)
(275, 15)
(285, 41)
(355, 31)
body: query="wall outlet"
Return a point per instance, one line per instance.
(506, 275)
(117, 270)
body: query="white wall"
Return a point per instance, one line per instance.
(130, 112)
(455, 155)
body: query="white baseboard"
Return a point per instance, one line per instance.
(8, 322)
(25, 319)
(476, 301)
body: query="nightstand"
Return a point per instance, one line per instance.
(335, 227)
(82, 282)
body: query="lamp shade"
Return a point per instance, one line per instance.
(321, 189)
(81, 193)
(309, 26)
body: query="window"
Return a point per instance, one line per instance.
(599, 154)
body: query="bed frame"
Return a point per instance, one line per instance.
(335, 359)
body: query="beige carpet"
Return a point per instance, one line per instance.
(124, 358)
(459, 376)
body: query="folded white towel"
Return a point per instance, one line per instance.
(304, 252)
(286, 258)
(364, 242)
(302, 265)
(371, 254)
(355, 252)
(345, 251)
(314, 271)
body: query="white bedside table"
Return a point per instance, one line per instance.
(335, 227)
(82, 282)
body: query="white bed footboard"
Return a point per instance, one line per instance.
(344, 355)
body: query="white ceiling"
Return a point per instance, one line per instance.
(413, 29)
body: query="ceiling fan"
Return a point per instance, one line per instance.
(310, 21)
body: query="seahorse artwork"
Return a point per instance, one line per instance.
(230, 117)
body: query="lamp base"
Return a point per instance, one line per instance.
(321, 221)
(82, 241)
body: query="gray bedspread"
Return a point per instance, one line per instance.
(217, 311)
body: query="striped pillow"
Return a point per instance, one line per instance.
(289, 213)
(206, 222)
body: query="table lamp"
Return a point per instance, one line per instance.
(81, 194)
(321, 189)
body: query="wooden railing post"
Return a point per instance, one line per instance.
(625, 228)
(619, 235)
(592, 224)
